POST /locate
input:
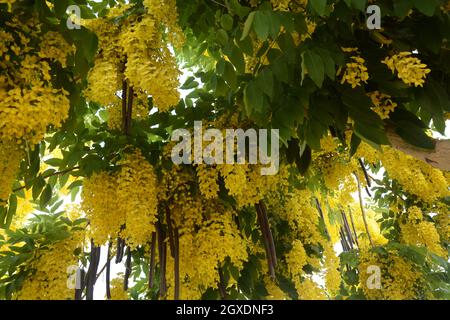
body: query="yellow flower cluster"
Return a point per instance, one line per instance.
(10, 158)
(29, 103)
(303, 216)
(99, 202)
(55, 48)
(274, 291)
(117, 289)
(137, 198)
(207, 181)
(166, 12)
(309, 290)
(25, 113)
(122, 204)
(202, 252)
(399, 278)
(418, 232)
(416, 177)
(409, 69)
(296, 259)
(50, 277)
(136, 51)
(332, 273)
(104, 80)
(443, 222)
(355, 72)
(383, 104)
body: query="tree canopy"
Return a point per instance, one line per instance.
(358, 210)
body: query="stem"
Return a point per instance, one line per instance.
(92, 271)
(108, 273)
(353, 226)
(319, 207)
(347, 229)
(151, 272)
(177, 264)
(129, 111)
(267, 237)
(170, 231)
(51, 175)
(362, 209)
(366, 175)
(127, 269)
(162, 260)
(222, 291)
(124, 105)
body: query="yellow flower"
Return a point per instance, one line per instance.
(409, 69)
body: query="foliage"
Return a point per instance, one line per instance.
(93, 109)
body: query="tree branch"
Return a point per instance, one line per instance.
(438, 158)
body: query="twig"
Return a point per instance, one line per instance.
(362, 209)
(51, 175)
(127, 269)
(177, 264)
(353, 225)
(151, 272)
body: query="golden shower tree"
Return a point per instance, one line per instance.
(87, 114)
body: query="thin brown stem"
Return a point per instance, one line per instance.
(177, 264)
(127, 269)
(353, 225)
(51, 175)
(361, 204)
(170, 231)
(151, 272)
(108, 272)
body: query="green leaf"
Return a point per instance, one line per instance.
(253, 99)
(402, 7)
(261, 25)
(265, 82)
(427, 7)
(237, 59)
(414, 135)
(248, 24)
(318, 6)
(315, 67)
(45, 196)
(226, 22)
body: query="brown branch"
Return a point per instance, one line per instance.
(177, 264)
(124, 105)
(170, 231)
(438, 158)
(269, 245)
(108, 272)
(51, 175)
(129, 111)
(353, 226)
(362, 209)
(127, 269)
(151, 272)
(162, 260)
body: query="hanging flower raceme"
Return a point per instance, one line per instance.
(415, 230)
(137, 198)
(137, 51)
(99, 202)
(29, 101)
(409, 68)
